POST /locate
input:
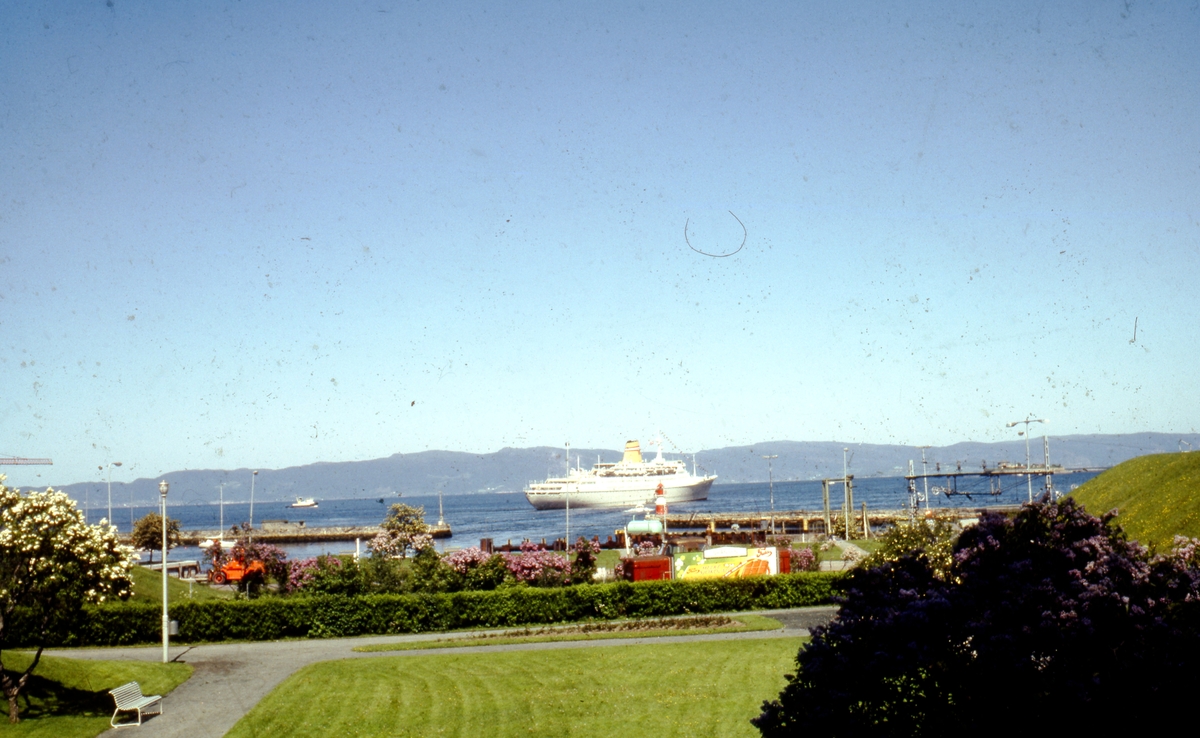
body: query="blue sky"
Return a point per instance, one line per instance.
(267, 234)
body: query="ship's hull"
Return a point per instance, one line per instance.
(617, 493)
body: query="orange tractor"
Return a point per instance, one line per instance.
(235, 570)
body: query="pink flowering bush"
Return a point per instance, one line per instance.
(538, 567)
(466, 559)
(327, 575)
(477, 570)
(802, 559)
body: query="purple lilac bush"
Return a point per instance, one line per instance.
(301, 573)
(1045, 621)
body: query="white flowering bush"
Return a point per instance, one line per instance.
(404, 528)
(52, 563)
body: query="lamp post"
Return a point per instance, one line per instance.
(771, 484)
(846, 490)
(250, 535)
(111, 464)
(1028, 419)
(567, 493)
(166, 620)
(925, 474)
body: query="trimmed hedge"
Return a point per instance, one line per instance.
(331, 616)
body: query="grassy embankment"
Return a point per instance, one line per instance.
(1157, 497)
(147, 587)
(68, 698)
(676, 689)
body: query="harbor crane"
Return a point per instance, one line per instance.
(22, 461)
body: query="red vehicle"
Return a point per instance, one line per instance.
(235, 570)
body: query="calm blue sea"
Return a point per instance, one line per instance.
(509, 517)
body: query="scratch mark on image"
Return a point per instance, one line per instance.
(716, 256)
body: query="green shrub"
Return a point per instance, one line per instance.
(327, 616)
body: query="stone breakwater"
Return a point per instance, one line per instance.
(298, 534)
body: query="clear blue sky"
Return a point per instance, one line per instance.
(267, 234)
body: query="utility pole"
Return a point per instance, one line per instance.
(163, 486)
(250, 535)
(567, 493)
(847, 503)
(825, 501)
(924, 473)
(771, 483)
(111, 464)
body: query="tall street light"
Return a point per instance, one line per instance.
(166, 620)
(846, 490)
(1028, 419)
(771, 483)
(925, 474)
(111, 464)
(250, 534)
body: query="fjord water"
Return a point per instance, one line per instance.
(506, 517)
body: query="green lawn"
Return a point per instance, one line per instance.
(608, 558)
(707, 689)
(870, 545)
(1155, 496)
(147, 587)
(68, 698)
(833, 554)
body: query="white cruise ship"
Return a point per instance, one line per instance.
(628, 482)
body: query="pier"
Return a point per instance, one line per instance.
(295, 533)
(812, 522)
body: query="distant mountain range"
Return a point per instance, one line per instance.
(456, 473)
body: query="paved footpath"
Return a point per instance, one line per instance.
(231, 678)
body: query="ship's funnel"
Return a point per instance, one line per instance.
(633, 453)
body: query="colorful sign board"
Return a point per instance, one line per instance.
(729, 561)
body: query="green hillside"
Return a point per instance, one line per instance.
(147, 587)
(1157, 497)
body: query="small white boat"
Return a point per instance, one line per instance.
(304, 502)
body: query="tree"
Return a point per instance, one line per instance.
(930, 540)
(404, 528)
(148, 534)
(51, 564)
(583, 567)
(1045, 619)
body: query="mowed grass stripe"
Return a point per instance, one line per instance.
(677, 689)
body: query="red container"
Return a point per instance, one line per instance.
(649, 568)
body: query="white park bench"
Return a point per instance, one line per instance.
(129, 697)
